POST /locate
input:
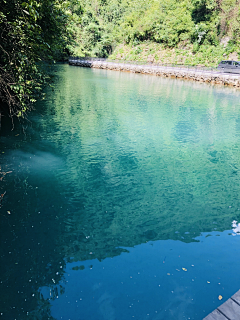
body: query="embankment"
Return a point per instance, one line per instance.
(188, 73)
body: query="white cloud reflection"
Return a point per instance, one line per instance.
(236, 228)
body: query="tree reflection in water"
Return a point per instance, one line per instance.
(109, 163)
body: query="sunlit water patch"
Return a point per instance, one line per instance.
(121, 200)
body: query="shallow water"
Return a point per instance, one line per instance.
(120, 198)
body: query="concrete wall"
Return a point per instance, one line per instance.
(213, 77)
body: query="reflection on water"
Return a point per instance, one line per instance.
(236, 228)
(171, 272)
(119, 183)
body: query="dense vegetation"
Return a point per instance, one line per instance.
(31, 32)
(186, 31)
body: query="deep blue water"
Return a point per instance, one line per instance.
(121, 192)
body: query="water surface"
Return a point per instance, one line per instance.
(120, 198)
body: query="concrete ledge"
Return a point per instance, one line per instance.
(212, 77)
(229, 310)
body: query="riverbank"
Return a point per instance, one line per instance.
(187, 54)
(188, 73)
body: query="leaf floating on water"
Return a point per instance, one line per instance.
(184, 269)
(2, 195)
(220, 297)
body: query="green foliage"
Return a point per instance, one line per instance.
(31, 32)
(36, 31)
(96, 29)
(193, 24)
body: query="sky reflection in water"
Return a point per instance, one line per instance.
(157, 280)
(121, 198)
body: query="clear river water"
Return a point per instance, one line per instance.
(121, 200)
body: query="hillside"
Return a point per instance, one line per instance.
(168, 31)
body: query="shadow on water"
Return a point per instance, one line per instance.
(118, 174)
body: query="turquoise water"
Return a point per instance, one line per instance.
(121, 194)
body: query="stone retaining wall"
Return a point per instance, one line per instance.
(213, 77)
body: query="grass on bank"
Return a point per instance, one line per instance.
(204, 55)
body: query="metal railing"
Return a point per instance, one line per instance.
(156, 64)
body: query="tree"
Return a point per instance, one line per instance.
(31, 33)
